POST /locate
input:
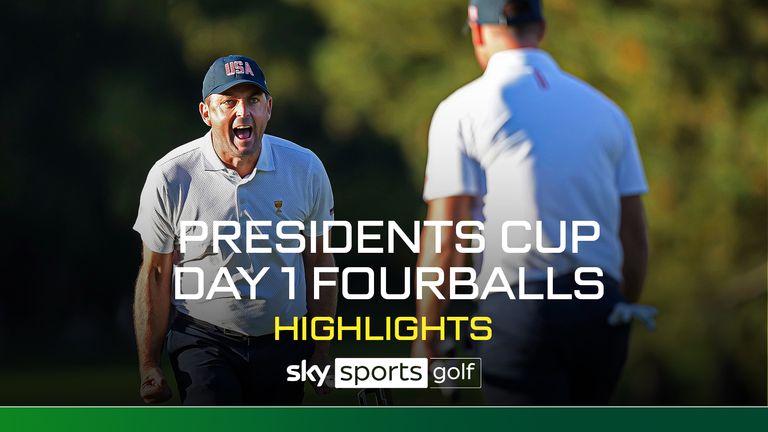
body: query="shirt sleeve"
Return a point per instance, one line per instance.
(451, 171)
(321, 207)
(153, 222)
(630, 176)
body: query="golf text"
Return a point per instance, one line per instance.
(391, 373)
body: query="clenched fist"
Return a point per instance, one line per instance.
(154, 387)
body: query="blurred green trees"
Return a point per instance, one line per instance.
(692, 76)
(357, 82)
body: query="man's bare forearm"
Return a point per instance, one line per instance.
(634, 241)
(325, 305)
(430, 306)
(634, 270)
(454, 209)
(151, 308)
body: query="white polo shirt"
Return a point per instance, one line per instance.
(537, 144)
(192, 184)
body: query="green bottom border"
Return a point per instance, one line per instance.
(395, 419)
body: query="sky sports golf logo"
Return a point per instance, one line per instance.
(454, 372)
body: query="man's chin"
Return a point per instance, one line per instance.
(245, 148)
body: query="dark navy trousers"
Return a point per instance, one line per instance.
(552, 352)
(214, 367)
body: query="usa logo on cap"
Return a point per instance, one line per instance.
(236, 67)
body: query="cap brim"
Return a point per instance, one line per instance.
(226, 86)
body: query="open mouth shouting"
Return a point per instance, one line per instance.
(243, 133)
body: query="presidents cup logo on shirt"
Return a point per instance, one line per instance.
(238, 67)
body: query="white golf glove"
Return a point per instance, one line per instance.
(624, 313)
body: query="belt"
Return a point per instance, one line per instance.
(185, 319)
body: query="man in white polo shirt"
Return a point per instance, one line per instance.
(528, 142)
(222, 348)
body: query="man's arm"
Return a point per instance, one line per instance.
(634, 241)
(454, 209)
(325, 305)
(151, 309)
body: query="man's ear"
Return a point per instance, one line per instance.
(477, 33)
(205, 114)
(269, 107)
(542, 30)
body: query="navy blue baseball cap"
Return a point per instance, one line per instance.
(227, 72)
(505, 12)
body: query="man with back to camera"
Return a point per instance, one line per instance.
(528, 142)
(223, 350)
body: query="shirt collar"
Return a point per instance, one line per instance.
(266, 160)
(212, 162)
(520, 60)
(210, 159)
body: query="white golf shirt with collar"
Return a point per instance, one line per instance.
(535, 143)
(289, 183)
